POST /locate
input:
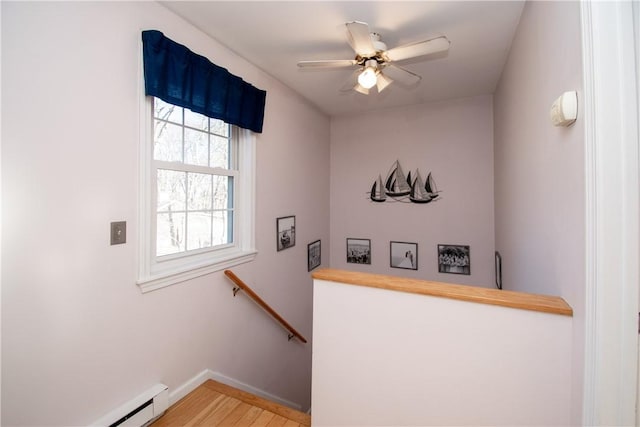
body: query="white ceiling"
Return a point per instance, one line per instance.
(275, 35)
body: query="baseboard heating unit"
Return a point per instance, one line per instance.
(140, 411)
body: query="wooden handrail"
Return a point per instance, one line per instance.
(512, 299)
(292, 332)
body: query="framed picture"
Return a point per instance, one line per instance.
(498, 270)
(286, 234)
(404, 255)
(313, 255)
(454, 259)
(359, 251)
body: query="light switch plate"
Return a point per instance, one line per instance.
(118, 232)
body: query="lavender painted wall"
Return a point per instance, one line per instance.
(453, 140)
(78, 337)
(539, 169)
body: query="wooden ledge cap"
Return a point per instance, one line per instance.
(512, 299)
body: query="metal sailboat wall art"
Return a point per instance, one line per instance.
(400, 188)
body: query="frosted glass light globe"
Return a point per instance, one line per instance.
(367, 78)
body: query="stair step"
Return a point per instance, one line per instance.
(217, 404)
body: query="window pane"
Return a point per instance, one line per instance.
(196, 147)
(222, 196)
(199, 230)
(168, 142)
(220, 152)
(199, 197)
(196, 120)
(222, 226)
(219, 127)
(171, 190)
(170, 233)
(229, 226)
(165, 111)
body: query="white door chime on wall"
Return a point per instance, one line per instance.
(564, 110)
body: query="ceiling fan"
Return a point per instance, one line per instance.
(372, 58)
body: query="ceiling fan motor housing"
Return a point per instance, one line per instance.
(380, 48)
(378, 44)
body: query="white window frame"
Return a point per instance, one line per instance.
(154, 273)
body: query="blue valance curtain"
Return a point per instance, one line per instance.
(176, 75)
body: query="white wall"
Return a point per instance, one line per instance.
(389, 358)
(453, 140)
(78, 337)
(539, 169)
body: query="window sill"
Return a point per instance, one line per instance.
(164, 279)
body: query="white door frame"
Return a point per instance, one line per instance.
(636, 32)
(612, 215)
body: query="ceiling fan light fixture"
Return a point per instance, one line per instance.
(382, 82)
(368, 78)
(361, 89)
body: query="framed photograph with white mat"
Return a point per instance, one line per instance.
(404, 255)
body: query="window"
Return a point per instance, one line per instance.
(197, 182)
(194, 159)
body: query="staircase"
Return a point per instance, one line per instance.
(217, 404)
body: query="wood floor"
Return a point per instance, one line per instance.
(217, 404)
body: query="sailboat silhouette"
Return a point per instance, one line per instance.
(397, 184)
(422, 192)
(377, 191)
(419, 193)
(430, 186)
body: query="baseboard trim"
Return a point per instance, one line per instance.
(190, 385)
(187, 387)
(216, 376)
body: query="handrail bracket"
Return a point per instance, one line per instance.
(236, 289)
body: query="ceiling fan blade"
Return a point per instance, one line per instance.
(352, 81)
(360, 39)
(426, 47)
(330, 63)
(401, 75)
